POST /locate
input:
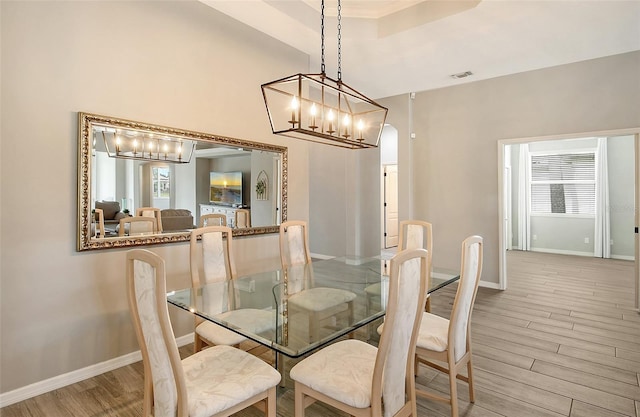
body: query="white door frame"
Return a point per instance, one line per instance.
(385, 205)
(502, 228)
(637, 221)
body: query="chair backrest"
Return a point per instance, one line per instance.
(99, 216)
(393, 377)
(137, 226)
(242, 218)
(210, 248)
(146, 284)
(213, 219)
(294, 243)
(470, 271)
(416, 234)
(151, 212)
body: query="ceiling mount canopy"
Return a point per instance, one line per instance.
(317, 108)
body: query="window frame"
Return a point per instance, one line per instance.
(156, 192)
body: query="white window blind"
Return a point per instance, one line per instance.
(563, 183)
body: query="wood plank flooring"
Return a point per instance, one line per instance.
(563, 340)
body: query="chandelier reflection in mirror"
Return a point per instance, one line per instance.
(317, 108)
(148, 146)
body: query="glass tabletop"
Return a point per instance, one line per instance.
(300, 309)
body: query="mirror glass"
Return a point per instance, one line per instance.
(141, 184)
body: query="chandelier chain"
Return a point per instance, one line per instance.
(339, 42)
(322, 67)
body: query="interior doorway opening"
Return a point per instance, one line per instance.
(532, 218)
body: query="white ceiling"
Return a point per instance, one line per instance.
(401, 46)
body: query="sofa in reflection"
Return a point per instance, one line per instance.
(172, 219)
(111, 212)
(176, 219)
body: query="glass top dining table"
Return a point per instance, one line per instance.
(302, 308)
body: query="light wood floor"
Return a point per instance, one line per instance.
(563, 340)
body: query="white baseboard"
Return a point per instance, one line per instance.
(577, 253)
(493, 285)
(47, 385)
(623, 257)
(562, 252)
(321, 256)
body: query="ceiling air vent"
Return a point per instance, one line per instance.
(462, 74)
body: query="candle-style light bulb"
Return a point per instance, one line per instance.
(135, 147)
(149, 146)
(165, 148)
(345, 122)
(360, 129)
(330, 119)
(179, 150)
(313, 111)
(294, 107)
(118, 144)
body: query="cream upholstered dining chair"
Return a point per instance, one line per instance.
(211, 261)
(242, 218)
(218, 381)
(99, 218)
(213, 219)
(449, 341)
(319, 303)
(139, 225)
(151, 212)
(414, 234)
(363, 380)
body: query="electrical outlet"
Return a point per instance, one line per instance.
(535, 237)
(586, 240)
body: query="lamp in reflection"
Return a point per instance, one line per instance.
(128, 144)
(317, 108)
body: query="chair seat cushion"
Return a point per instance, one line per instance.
(434, 333)
(218, 335)
(373, 289)
(222, 376)
(254, 320)
(343, 371)
(320, 299)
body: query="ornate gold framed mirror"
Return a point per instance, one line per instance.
(175, 179)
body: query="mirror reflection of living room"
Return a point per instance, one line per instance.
(222, 185)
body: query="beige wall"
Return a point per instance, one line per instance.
(344, 203)
(454, 155)
(178, 64)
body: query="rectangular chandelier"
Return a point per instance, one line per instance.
(147, 146)
(316, 108)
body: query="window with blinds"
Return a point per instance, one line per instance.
(563, 183)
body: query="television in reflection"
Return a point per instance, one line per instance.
(225, 188)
